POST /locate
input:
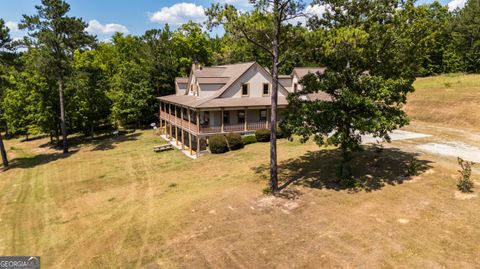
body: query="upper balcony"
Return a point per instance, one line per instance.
(210, 128)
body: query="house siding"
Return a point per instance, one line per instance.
(255, 77)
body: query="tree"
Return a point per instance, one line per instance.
(370, 50)
(192, 45)
(162, 56)
(4, 42)
(131, 91)
(87, 92)
(466, 35)
(56, 36)
(267, 27)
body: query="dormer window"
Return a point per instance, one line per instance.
(266, 89)
(245, 89)
(295, 87)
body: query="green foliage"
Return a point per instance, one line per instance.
(262, 135)
(234, 141)
(281, 132)
(249, 139)
(370, 71)
(267, 191)
(413, 168)
(88, 102)
(466, 35)
(465, 183)
(218, 144)
(192, 45)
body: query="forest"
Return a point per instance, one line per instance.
(115, 83)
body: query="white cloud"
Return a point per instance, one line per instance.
(15, 32)
(179, 13)
(310, 11)
(456, 4)
(95, 27)
(317, 10)
(13, 26)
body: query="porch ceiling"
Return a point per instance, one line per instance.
(202, 103)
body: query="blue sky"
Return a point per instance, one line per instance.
(129, 16)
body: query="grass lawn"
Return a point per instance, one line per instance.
(113, 203)
(450, 100)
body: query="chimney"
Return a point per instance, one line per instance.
(196, 66)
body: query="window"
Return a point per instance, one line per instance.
(263, 115)
(295, 87)
(241, 117)
(266, 89)
(206, 118)
(245, 90)
(226, 117)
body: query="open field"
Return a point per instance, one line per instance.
(451, 100)
(113, 203)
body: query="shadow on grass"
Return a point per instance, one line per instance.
(372, 169)
(103, 142)
(32, 161)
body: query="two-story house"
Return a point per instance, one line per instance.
(221, 99)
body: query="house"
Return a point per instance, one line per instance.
(222, 99)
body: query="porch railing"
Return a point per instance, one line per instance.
(250, 126)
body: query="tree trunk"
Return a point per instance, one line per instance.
(56, 135)
(274, 101)
(3, 152)
(62, 116)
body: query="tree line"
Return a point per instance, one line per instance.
(64, 80)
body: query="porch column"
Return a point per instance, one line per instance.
(160, 116)
(246, 118)
(181, 129)
(170, 119)
(183, 138)
(176, 126)
(266, 121)
(198, 146)
(221, 119)
(190, 142)
(198, 122)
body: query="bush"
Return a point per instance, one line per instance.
(465, 183)
(249, 139)
(234, 141)
(218, 144)
(280, 133)
(413, 168)
(262, 135)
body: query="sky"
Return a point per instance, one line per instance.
(105, 17)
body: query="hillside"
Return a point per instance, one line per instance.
(450, 100)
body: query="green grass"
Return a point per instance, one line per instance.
(452, 99)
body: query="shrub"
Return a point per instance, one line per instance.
(413, 168)
(234, 141)
(218, 144)
(262, 135)
(249, 139)
(280, 133)
(465, 183)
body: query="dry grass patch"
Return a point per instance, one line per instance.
(125, 206)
